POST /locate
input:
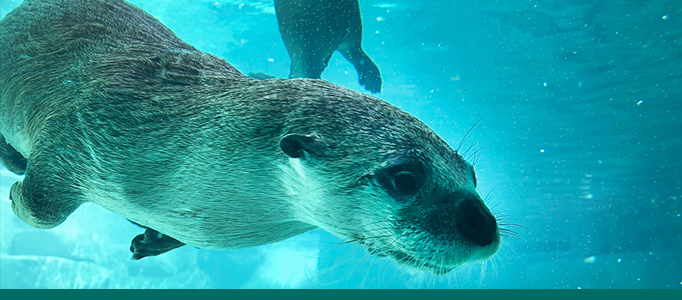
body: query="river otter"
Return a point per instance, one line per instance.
(99, 102)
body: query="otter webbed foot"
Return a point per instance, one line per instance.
(370, 78)
(152, 243)
(369, 75)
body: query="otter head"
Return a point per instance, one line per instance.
(382, 178)
(439, 222)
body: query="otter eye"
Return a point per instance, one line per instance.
(401, 180)
(405, 183)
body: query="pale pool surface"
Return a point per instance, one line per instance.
(581, 104)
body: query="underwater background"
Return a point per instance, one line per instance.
(580, 145)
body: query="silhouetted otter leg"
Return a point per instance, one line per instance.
(307, 63)
(48, 194)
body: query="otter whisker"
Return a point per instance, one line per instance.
(511, 234)
(464, 154)
(487, 197)
(467, 134)
(513, 224)
(473, 158)
(380, 229)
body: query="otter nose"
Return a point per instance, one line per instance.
(475, 222)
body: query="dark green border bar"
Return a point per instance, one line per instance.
(340, 294)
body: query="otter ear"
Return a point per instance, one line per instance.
(296, 145)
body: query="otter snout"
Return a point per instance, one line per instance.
(461, 216)
(475, 222)
(457, 228)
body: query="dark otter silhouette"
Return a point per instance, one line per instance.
(313, 29)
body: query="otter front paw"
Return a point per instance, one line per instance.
(23, 211)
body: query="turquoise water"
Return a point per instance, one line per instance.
(581, 114)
